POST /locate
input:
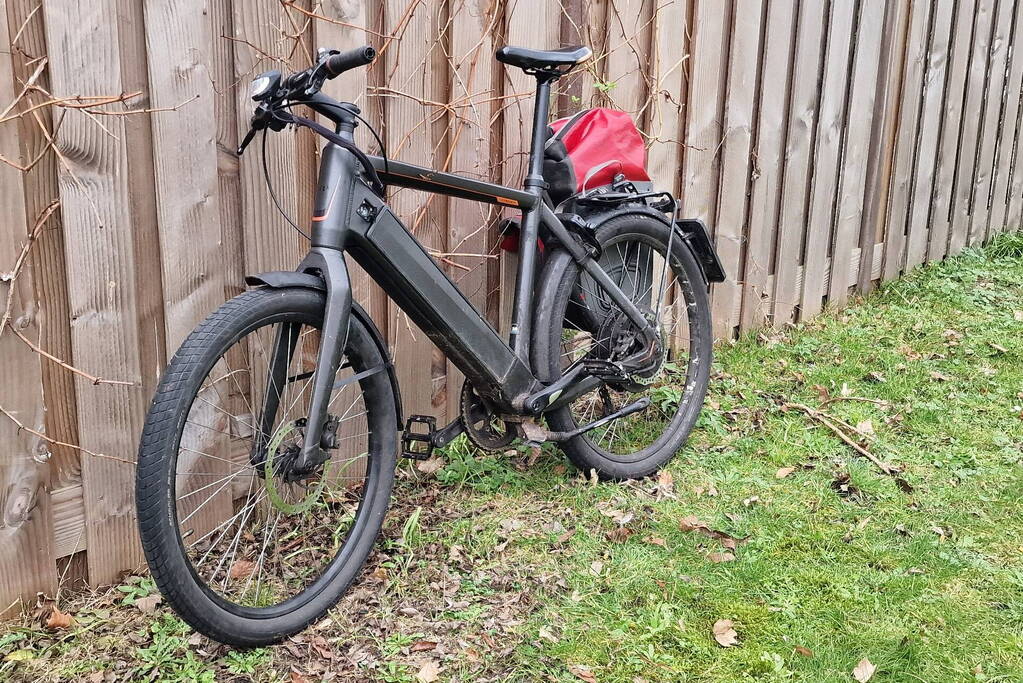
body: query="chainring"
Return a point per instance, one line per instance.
(482, 426)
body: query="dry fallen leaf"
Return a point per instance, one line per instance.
(423, 645)
(655, 540)
(430, 465)
(147, 605)
(379, 573)
(428, 672)
(583, 673)
(296, 677)
(939, 377)
(864, 670)
(1017, 315)
(784, 472)
(804, 651)
(724, 634)
(242, 569)
(58, 620)
(596, 568)
(718, 558)
(865, 427)
(665, 482)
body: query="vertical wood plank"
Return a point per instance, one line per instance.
(1002, 187)
(188, 213)
(27, 561)
(664, 124)
(768, 168)
(225, 103)
(527, 22)
(905, 162)
(416, 71)
(628, 56)
(929, 132)
(862, 91)
(100, 236)
(970, 125)
(942, 201)
(470, 224)
(740, 99)
(48, 252)
(827, 156)
(802, 120)
(881, 155)
(703, 132)
(990, 118)
(259, 45)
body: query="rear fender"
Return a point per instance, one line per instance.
(281, 279)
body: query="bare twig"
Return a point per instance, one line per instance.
(829, 422)
(55, 442)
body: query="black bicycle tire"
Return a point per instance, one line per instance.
(157, 522)
(556, 283)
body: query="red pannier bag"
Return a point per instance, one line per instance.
(591, 149)
(585, 151)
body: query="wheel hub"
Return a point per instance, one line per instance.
(278, 472)
(619, 341)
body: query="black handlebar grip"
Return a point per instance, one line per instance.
(338, 64)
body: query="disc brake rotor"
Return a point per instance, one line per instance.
(273, 478)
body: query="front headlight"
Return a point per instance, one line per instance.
(264, 85)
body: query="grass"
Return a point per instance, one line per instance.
(494, 570)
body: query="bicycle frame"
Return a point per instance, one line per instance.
(349, 218)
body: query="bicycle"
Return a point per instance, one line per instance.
(267, 459)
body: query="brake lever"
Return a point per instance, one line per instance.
(246, 140)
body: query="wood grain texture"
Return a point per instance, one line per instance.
(269, 242)
(802, 122)
(703, 130)
(943, 199)
(827, 157)
(188, 212)
(739, 101)
(769, 166)
(225, 110)
(101, 231)
(929, 130)
(664, 124)
(27, 561)
(471, 227)
(851, 187)
(905, 159)
(970, 127)
(40, 183)
(881, 155)
(990, 118)
(416, 132)
(1001, 189)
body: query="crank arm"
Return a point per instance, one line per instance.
(635, 407)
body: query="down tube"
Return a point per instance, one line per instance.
(393, 257)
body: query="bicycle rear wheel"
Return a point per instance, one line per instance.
(243, 547)
(577, 320)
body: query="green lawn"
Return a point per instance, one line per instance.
(492, 570)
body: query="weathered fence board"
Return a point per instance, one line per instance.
(828, 146)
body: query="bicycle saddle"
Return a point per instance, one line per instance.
(544, 60)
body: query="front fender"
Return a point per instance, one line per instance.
(281, 279)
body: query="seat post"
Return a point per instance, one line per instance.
(522, 308)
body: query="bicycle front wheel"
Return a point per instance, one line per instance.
(245, 548)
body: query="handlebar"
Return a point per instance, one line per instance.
(335, 65)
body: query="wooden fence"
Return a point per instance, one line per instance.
(829, 145)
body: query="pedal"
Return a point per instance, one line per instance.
(418, 445)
